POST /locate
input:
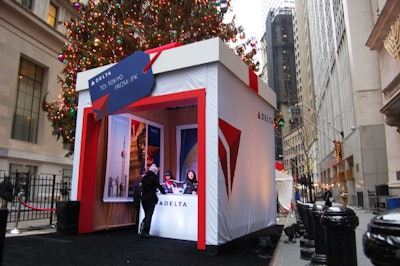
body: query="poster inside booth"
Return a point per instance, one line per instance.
(133, 144)
(186, 139)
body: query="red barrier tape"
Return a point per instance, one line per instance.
(38, 209)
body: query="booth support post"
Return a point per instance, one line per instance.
(201, 127)
(87, 171)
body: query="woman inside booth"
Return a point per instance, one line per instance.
(190, 183)
(168, 182)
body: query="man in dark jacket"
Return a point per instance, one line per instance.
(150, 184)
(137, 193)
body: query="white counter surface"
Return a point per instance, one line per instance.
(175, 216)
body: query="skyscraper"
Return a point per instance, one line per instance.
(281, 69)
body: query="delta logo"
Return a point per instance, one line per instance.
(228, 148)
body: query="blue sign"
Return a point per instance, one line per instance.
(121, 85)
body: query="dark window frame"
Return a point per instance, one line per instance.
(52, 18)
(25, 125)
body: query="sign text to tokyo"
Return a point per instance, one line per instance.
(121, 85)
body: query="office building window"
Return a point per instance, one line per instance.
(52, 15)
(26, 3)
(27, 107)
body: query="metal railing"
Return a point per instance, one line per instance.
(39, 194)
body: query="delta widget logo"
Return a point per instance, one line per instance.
(228, 148)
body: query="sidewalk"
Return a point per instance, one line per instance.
(289, 253)
(31, 227)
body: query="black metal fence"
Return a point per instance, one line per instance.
(39, 196)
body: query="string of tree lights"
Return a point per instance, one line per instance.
(108, 31)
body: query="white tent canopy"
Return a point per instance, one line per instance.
(284, 190)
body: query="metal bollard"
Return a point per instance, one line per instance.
(381, 242)
(302, 211)
(339, 224)
(304, 223)
(300, 221)
(307, 245)
(319, 256)
(20, 197)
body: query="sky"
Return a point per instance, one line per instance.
(248, 14)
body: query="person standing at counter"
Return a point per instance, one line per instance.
(137, 193)
(190, 183)
(168, 182)
(150, 184)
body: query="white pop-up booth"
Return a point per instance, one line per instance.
(203, 87)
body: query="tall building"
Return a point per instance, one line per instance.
(383, 43)
(281, 71)
(30, 40)
(351, 133)
(300, 146)
(268, 5)
(347, 75)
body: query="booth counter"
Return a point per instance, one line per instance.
(175, 216)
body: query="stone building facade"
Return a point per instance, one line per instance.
(384, 44)
(30, 40)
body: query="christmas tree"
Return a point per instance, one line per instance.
(108, 31)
